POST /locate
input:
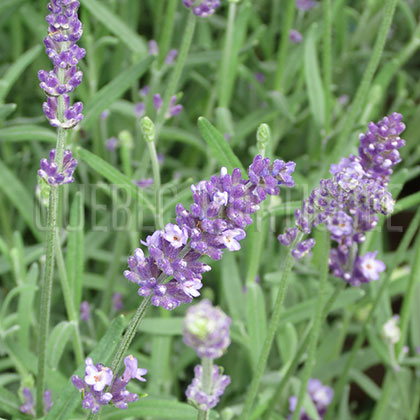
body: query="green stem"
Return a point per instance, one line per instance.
(284, 44)
(177, 71)
(168, 26)
(224, 79)
(402, 248)
(326, 59)
(408, 299)
(207, 365)
(157, 184)
(272, 329)
(293, 365)
(130, 333)
(69, 304)
(363, 88)
(47, 280)
(316, 325)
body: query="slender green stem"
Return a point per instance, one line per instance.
(339, 387)
(157, 184)
(272, 329)
(408, 299)
(47, 280)
(284, 44)
(326, 59)
(363, 88)
(130, 333)
(207, 365)
(316, 325)
(293, 365)
(177, 71)
(224, 77)
(168, 26)
(68, 302)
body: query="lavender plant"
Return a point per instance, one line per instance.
(146, 159)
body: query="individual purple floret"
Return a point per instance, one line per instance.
(139, 109)
(98, 387)
(349, 202)
(202, 8)
(174, 108)
(49, 169)
(306, 4)
(195, 393)
(171, 57)
(117, 301)
(111, 144)
(157, 101)
(65, 29)
(222, 209)
(144, 183)
(85, 311)
(153, 47)
(295, 36)
(259, 77)
(29, 408)
(320, 395)
(206, 330)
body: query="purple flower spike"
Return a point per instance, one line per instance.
(174, 109)
(216, 221)
(206, 330)
(85, 311)
(29, 407)
(157, 101)
(65, 29)
(144, 183)
(259, 77)
(153, 47)
(306, 4)
(320, 395)
(206, 401)
(295, 36)
(49, 169)
(139, 109)
(117, 302)
(349, 202)
(98, 377)
(111, 144)
(171, 57)
(202, 8)
(303, 248)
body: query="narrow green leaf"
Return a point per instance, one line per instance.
(113, 175)
(232, 287)
(257, 320)
(75, 247)
(113, 90)
(16, 69)
(155, 409)
(9, 402)
(366, 384)
(18, 196)
(57, 342)
(219, 146)
(313, 79)
(6, 110)
(70, 396)
(25, 306)
(28, 132)
(116, 26)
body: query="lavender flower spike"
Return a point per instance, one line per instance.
(216, 221)
(206, 330)
(29, 408)
(202, 8)
(349, 202)
(98, 377)
(65, 29)
(197, 396)
(49, 169)
(320, 395)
